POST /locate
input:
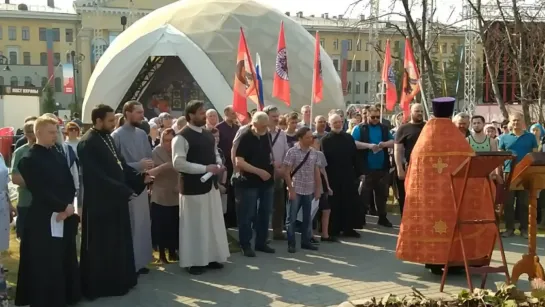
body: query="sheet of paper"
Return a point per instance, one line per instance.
(57, 228)
(76, 205)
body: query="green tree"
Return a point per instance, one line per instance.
(49, 104)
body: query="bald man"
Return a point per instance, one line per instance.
(405, 139)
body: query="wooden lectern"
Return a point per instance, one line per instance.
(479, 166)
(529, 174)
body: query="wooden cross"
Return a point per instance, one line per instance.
(439, 166)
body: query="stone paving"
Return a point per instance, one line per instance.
(351, 270)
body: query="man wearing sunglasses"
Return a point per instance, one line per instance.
(373, 141)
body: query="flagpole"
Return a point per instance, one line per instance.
(424, 98)
(382, 98)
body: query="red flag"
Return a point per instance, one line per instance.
(388, 77)
(281, 81)
(244, 86)
(411, 78)
(317, 81)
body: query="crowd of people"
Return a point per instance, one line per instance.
(176, 185)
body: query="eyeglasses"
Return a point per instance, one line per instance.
(374, 117)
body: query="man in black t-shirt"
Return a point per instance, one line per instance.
(254, 159)
(405, 139)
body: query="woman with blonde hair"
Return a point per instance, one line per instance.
(164, 199)
(119, 120)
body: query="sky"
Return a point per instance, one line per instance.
(333, 7)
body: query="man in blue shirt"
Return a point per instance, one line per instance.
(521, 143)
(373, 140)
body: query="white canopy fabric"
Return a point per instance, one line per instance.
(204, 35)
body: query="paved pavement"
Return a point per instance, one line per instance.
(351, 270)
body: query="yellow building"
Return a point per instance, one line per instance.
(36, 41)
(94, 24)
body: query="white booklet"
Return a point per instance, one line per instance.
(57, 228)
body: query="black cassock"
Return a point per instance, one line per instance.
(343, 170)
(106, 255)
(48, 269)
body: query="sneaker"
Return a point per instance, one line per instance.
(309, 247)
(265, 249)
(508, 233)
(248, 252)
(314, 241)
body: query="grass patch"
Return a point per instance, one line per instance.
(10, 260)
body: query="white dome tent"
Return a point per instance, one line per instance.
(204, 35)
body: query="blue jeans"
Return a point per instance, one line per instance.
(304, 202)
(246, 214)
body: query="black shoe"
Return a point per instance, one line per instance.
(195, 270)
(309, 247)
(291, 249)
(383, 221)
(352, 234)
(248, 252)
(143, 271)
(265, 249)
(173, 256)
(215, 265)
(314, 241)
(329, 239)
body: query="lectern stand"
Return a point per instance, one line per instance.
(479, 166)
(529, 174)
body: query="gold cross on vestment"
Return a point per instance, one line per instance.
(439, 166)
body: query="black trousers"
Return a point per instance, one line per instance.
(375, 186)
(345, 209)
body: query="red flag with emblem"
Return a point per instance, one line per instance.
(411, 78)
(281, 81)
(388, 77)
(245, 80)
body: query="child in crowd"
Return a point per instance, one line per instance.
(325, 210)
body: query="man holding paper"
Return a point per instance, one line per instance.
(373, 140)
(203, 238)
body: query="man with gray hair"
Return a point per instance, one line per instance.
(461, 120)
(343, 169)
(212, 119)
(165, 121)
(254, 160)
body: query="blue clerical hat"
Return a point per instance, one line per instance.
(443, 107)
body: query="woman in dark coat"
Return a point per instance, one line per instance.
(48, 269)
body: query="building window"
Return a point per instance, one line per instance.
(12, 33)
(349, 65)
(367, 46)
(322, 42)
(1, 80)
(58, 85)
(25, 33)
(43, 35)
(453, 49)
(56, 34)
(43, 58)
(379, 69)
(366, 87)
(26, 58)
(358, 45)
(336, 44)
(349, 45)
(68, 58)
(13, 81)
(366, 65)
(396, 46)
(444, 48)
(358, 87)
(13, 57)
(358, 65)
(44, 82)
(69, 35)
(56, 59)
(1, 32)
(349, 87)
(28, 81)
(336, 64)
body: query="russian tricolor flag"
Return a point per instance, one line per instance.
(259, 77)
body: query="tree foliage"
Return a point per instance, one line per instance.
(48, 104)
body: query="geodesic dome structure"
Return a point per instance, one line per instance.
(204, 34)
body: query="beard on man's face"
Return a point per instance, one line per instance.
(199, 122)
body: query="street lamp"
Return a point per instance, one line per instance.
(4, 61)
(123, 21)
